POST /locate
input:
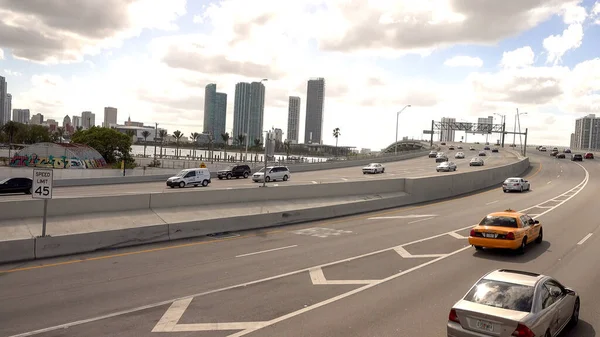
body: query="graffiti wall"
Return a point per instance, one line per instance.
(62, 162)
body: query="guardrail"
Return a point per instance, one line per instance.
(379, 194)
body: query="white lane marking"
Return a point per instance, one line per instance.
(411, 216)
(350, 293)
(549, 182)
(544, 206)
(492, 202)
(171, 317)
(456, 235)
(344, 179)
(577, 188)
(266, 251)
(314, 182)
(558, 200)
(406, 255)
(318, 278)
(585, 239)
(415, 221)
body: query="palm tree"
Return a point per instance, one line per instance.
(287, 145)
(177, 134)
(194, 136)
(162, 134)
(336, 134)
(145, 134)
(257, 145)
(60, 132)
(10, 129)
(225, 137)
(241, 140)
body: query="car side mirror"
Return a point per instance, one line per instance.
(555, 292)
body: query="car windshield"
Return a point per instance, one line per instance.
(181, 173)
(512, 180)
(502, 295)
(499, 221)
(229, 168)
(3, 181)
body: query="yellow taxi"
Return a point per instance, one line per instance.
(506, 230)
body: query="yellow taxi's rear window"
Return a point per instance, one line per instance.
(499, 221)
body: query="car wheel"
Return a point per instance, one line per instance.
(478, 248)
(521, 249)
(228, 176)
(540, 237)
(285, 177)
(195, 185)
(521, 188)
(220, 178)
(204, 183)
(172, 186)
(382, 170)
(267, 179)
(575, 315)
(505, 191)
(246, 175)
(29, 191)
(364, 172)
(181, 184)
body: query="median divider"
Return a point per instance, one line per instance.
(371, 195)
(294, 168)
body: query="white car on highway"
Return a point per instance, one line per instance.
(373, 168)
(273, 173)
(516, 184)
(459, 155)
(187, 177)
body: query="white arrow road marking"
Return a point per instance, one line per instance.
(317, 277)
(403, 216)
(412, 222)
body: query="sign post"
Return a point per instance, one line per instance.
(43, 180)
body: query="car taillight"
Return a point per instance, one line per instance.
(516, 185)
(523, 331)
(510, 236)
(453, 316)
(472, 233)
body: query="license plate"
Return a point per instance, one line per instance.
(489, 235)
(484, 325)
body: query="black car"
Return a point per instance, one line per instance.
(487, 148)
(441, 159)
(235, 171)
(561, 156)
(495, 149)
(576, 157)
(16, 185)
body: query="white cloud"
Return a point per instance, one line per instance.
(559, 45)
(464, 61)
(517, 58)
(574, 13)
(1, 54)
(63, 32)
(596, 13)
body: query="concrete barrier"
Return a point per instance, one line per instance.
(294, 168)
(213, 197)
(17, 250)
(50, 246)
(70, 206)
(416, 190)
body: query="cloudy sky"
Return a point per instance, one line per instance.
(455, 58)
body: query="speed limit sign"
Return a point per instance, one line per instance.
(42, 183)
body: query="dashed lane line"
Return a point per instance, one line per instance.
(585, 238)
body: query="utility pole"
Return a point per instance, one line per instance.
(515, 129)
(155, 138)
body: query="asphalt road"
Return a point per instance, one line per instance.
(417, 167)
(343, 277)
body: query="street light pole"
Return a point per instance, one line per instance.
(248, 118)
(397, 120)
(155, 137)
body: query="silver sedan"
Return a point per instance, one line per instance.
(514, 303)
(446, 166)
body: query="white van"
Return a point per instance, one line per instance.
(193, 176)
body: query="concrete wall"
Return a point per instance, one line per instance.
(417, 189)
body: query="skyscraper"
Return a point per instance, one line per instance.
(21, 116)
(587, 133)
(210, 93)
(3, 89)
(293, 128)
(248, 107)
(88, 119)
(110, 117)
(76, 121)
(215, 112)
(315, 100)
